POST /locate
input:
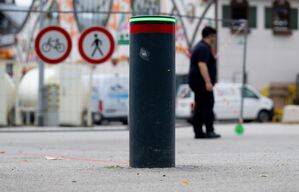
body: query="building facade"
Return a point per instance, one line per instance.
(273, 41)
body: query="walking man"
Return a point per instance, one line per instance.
(202, 78)
(96, 43)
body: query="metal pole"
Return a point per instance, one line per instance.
(89, 116)
(41, 70)
(245, 23)
(217, 39)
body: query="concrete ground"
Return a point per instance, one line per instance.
(265, 158)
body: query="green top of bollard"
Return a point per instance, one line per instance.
(153, 19)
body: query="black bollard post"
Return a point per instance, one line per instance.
(152, 92)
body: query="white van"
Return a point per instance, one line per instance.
(227, 103)
(110, 98)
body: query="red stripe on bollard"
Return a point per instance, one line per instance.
(152, 28)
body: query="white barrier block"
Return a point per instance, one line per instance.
(291, 114)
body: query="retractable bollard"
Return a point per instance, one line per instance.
(152, 92)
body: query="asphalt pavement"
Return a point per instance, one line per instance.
(265, 158)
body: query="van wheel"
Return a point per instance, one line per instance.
(264, 116)
(190, 121)
(99, 122)
(125, 121)
(97, 119)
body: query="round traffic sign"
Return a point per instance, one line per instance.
(53, 44)
(96, 45)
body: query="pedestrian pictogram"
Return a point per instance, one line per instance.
(53, 44)
(96, 45)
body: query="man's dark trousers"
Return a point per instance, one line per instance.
(203, 113)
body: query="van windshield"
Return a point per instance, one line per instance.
(184, 92)
(247, 93)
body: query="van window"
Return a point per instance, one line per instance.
(247, 93)
(184, 92)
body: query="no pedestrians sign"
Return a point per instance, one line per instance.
(96, 45)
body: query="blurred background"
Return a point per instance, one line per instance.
(76, 93)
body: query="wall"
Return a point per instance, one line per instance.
(269, 58)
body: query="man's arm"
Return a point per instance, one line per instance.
(205, 74)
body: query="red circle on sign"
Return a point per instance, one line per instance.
(39, 37)
(81, 50)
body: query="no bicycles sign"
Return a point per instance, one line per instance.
(53, 45)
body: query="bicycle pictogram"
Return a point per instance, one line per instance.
(53, 44)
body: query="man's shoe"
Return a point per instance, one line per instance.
(212, 135)
(200, 136)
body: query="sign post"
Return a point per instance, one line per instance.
(96, 45)
(52, 45)
(41, 72)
